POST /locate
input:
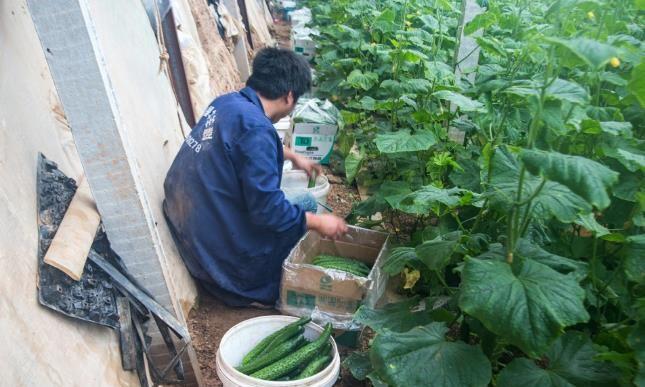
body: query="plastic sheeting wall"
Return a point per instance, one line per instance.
(41, 347)
(257, 12)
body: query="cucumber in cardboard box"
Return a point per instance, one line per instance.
(316, 124)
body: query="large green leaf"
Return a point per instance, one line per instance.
(552, 117)
(398, 258)
(359, 80)
(589, 222)
(593, 53)
(430, 21)
(529, 250)
(554, 200)
(436, 253)
(386, 21)
(491, 45)
(617, 128)
(423, 357)
(569, 362)
(629, 152)
(468, 176)
(636, 341)
(422, 201)
(567, 91)
(392, 86)
(415, 85)
(353, 163)
(583, 176)
(483, 20)
(628, 187)
(527, 303)
(409, 56)
(398, 317)
(524, 372)
(403, 141)
(461, 101)
(358, 364)
(636, 84)
(394, 191)
(635, 258)
(377, 202)
(631, 158)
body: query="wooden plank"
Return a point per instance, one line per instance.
(142, 297)
(126, 335)
(73, 240)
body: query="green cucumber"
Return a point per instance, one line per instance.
(314, 366)
(284, 366)
(358, 265)
(312, 180)
(345, 264)
(274, 339)
(344, 267)
(293, 374)
(330, 259)
(274, 355)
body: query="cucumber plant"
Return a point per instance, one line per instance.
(522, 247)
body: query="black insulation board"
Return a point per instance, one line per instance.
(91, 299)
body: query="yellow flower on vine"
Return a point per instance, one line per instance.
(411, 278)
(614, 62)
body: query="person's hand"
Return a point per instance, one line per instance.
(309, 166)
(301, 162)
(328, 225)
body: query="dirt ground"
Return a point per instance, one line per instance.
(282, 33)
(210, 318)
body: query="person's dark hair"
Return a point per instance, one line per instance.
(277, 71)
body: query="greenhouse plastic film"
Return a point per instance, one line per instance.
(332, 296)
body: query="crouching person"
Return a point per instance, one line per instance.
(231, 222)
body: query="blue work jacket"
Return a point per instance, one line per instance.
(232, 223)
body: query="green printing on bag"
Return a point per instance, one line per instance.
(303, 141)
(325, 283)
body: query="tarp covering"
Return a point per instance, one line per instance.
(42, 347)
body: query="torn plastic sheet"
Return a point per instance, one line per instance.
(328, 295)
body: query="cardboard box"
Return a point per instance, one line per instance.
(304, 46)
(314, 141)
(329, 295)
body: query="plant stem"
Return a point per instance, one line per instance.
(514, 220)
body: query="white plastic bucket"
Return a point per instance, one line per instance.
(240, 339)
(283, 127)
(296, 181)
